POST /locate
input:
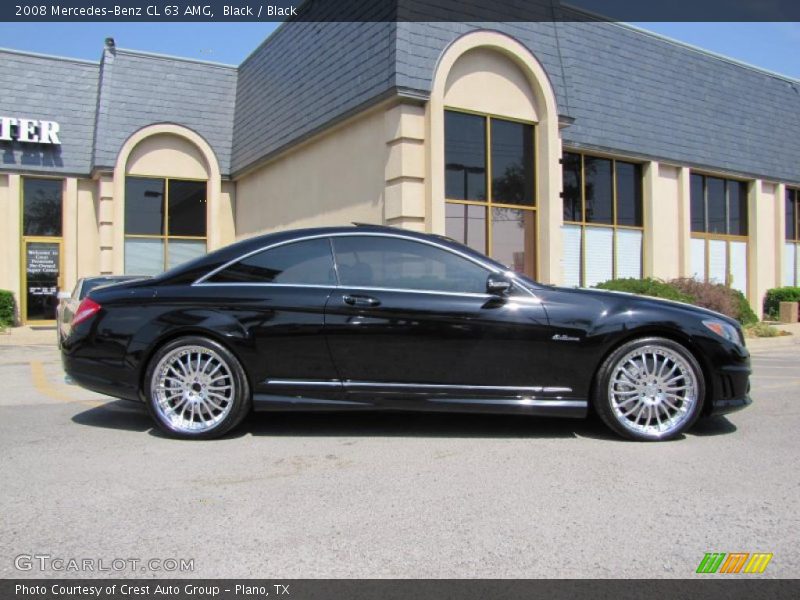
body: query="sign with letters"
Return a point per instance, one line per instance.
(31, 131)
(43, 259)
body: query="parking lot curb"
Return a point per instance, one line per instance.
(26, 336)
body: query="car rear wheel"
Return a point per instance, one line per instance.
(196, 388)
(649, 389)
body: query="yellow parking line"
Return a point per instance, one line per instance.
(43, 386)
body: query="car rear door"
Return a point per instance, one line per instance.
(413, 318)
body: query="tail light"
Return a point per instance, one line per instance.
(86, 310)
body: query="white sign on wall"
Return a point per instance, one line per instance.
(29, 130)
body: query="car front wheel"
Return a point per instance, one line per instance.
(649, 389)
(196, 388)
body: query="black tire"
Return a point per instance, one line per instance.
(628, 427)
(240, 400)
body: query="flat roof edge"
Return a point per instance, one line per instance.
(81, 61)
(146, 54)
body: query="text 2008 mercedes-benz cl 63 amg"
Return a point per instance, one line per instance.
(371, 318)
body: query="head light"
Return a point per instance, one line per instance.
(724, 330)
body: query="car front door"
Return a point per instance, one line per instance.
(413, 318)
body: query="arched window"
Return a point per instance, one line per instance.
(165, 223)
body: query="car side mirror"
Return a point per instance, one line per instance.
(497, 285)
(64, 295)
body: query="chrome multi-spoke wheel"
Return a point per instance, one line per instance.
(653, 389)
(196, 388)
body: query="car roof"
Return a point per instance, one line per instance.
(194, 269)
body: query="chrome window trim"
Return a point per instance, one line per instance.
(525, 299)
(488, 266)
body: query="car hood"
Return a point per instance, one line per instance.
(634, 300)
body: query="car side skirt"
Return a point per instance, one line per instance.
(361, 395)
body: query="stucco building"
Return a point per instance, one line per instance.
(572, 151)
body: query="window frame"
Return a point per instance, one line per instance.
(795, 241)
(489, 204)
(164, 236)
(614, 225)
(205, 280)
(492, 268)
(410, 240)
(708, 237)
(37, 177)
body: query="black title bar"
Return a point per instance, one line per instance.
(397, 10)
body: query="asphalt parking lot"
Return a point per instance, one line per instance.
(388, 495)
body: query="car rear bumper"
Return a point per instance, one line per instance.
(110, 381)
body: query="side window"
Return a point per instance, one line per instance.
(306, 262)
(386, 262)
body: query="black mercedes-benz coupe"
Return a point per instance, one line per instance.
(370, 317)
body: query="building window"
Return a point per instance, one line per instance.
(42, 207)
(719, 230)
(42, 227)
(791, 268)
(165, 223)
(603, 219)
(490, 187)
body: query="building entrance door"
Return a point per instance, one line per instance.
(41, 279)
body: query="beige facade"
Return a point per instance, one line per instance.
(384, 165)
(93, 209)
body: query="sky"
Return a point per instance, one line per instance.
(772, 46)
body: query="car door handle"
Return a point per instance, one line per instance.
(356, 300)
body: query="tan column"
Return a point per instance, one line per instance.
(69, 234)
(111, 241)
(224, 225)
(12, 232)
(88, 252)
(218, 214)
(761, 243)
(550, 209)
(684, 222)
(654, 237)
(5, 240)
(662, 221)
(404, 194)
(780, 232)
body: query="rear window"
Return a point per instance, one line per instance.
(307, 262)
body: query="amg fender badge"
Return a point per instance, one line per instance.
(560, 337)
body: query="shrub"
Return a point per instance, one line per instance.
(746, 314)
(713, 296)
(718, 297)
(646, 287)
(774, 297)
(7, 311)
(757, 330)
